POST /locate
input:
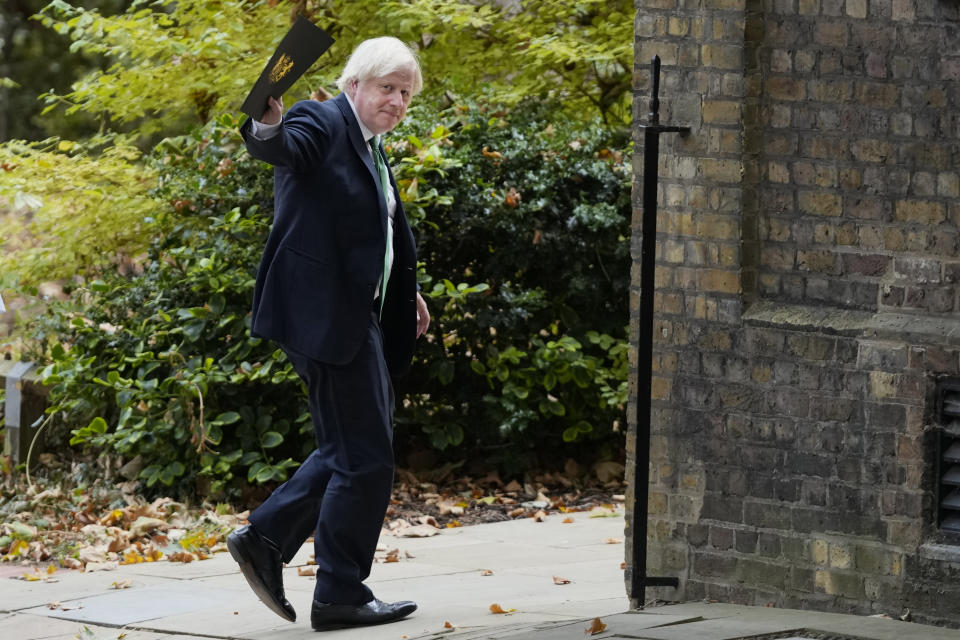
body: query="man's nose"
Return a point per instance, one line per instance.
(396, 99)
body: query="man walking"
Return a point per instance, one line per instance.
(336, 289)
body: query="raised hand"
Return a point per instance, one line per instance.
(274, 112)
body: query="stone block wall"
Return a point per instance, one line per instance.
(806, 300)
(853, 162)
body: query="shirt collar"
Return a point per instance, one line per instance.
(367, 134)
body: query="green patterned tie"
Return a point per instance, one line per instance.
(384, 184)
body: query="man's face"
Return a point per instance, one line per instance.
(382, 102)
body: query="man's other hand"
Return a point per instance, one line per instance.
(274, 112)
(423, 316)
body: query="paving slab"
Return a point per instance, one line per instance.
(29, 627)
(127, 606)
(574, 629)
(552, 531)
(458, 537)
(520, 556)
(238, 619)
(210, 599)
(217, 565)
(717, 621)
(71, 585)
(16, 626)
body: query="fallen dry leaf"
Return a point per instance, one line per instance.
(623, 565)
(567, 520)
(181, 556)
(417, 531)
(93, 554)
(539, 515)
(447, 625)
(614, 540)
(454, 524)
(496, 608)
(597, 626)
(399, 523)
(449, 507)
(121, 584)
(143, 524)
(559, 580)
(430, 520)
(486, 572)
(393, 556)
(130, 557)
(306, 571)
(112, 517)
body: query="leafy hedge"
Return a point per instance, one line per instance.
(540, 213)
(522, 227)
(159, 365)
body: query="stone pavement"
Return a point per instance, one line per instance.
(445, 574)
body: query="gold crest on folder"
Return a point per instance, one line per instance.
(298, 49)
(281, 68)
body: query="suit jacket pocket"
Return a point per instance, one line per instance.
(299, 305)
(299, 254)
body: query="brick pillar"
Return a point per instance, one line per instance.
(698, 280)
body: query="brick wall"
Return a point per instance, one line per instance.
(806, 301)
(860, 186)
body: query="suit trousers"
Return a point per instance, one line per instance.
(342, 490)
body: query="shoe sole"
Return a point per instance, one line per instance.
(246, 568)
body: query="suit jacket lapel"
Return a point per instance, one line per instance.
(362, 150)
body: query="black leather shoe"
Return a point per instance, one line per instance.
(262, 566)
(324, 616)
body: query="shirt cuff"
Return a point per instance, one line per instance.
(262, 131)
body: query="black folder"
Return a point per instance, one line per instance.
(300, 48)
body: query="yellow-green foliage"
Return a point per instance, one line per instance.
(171, 58)
(200, 57)
(581, 51)
(176, 62)
(72, 212)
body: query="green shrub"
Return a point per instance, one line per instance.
(159, 364)
(539, 212)
(522, 228)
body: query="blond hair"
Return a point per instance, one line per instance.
(378, 57)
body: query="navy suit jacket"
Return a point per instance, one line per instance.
(324, 255)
